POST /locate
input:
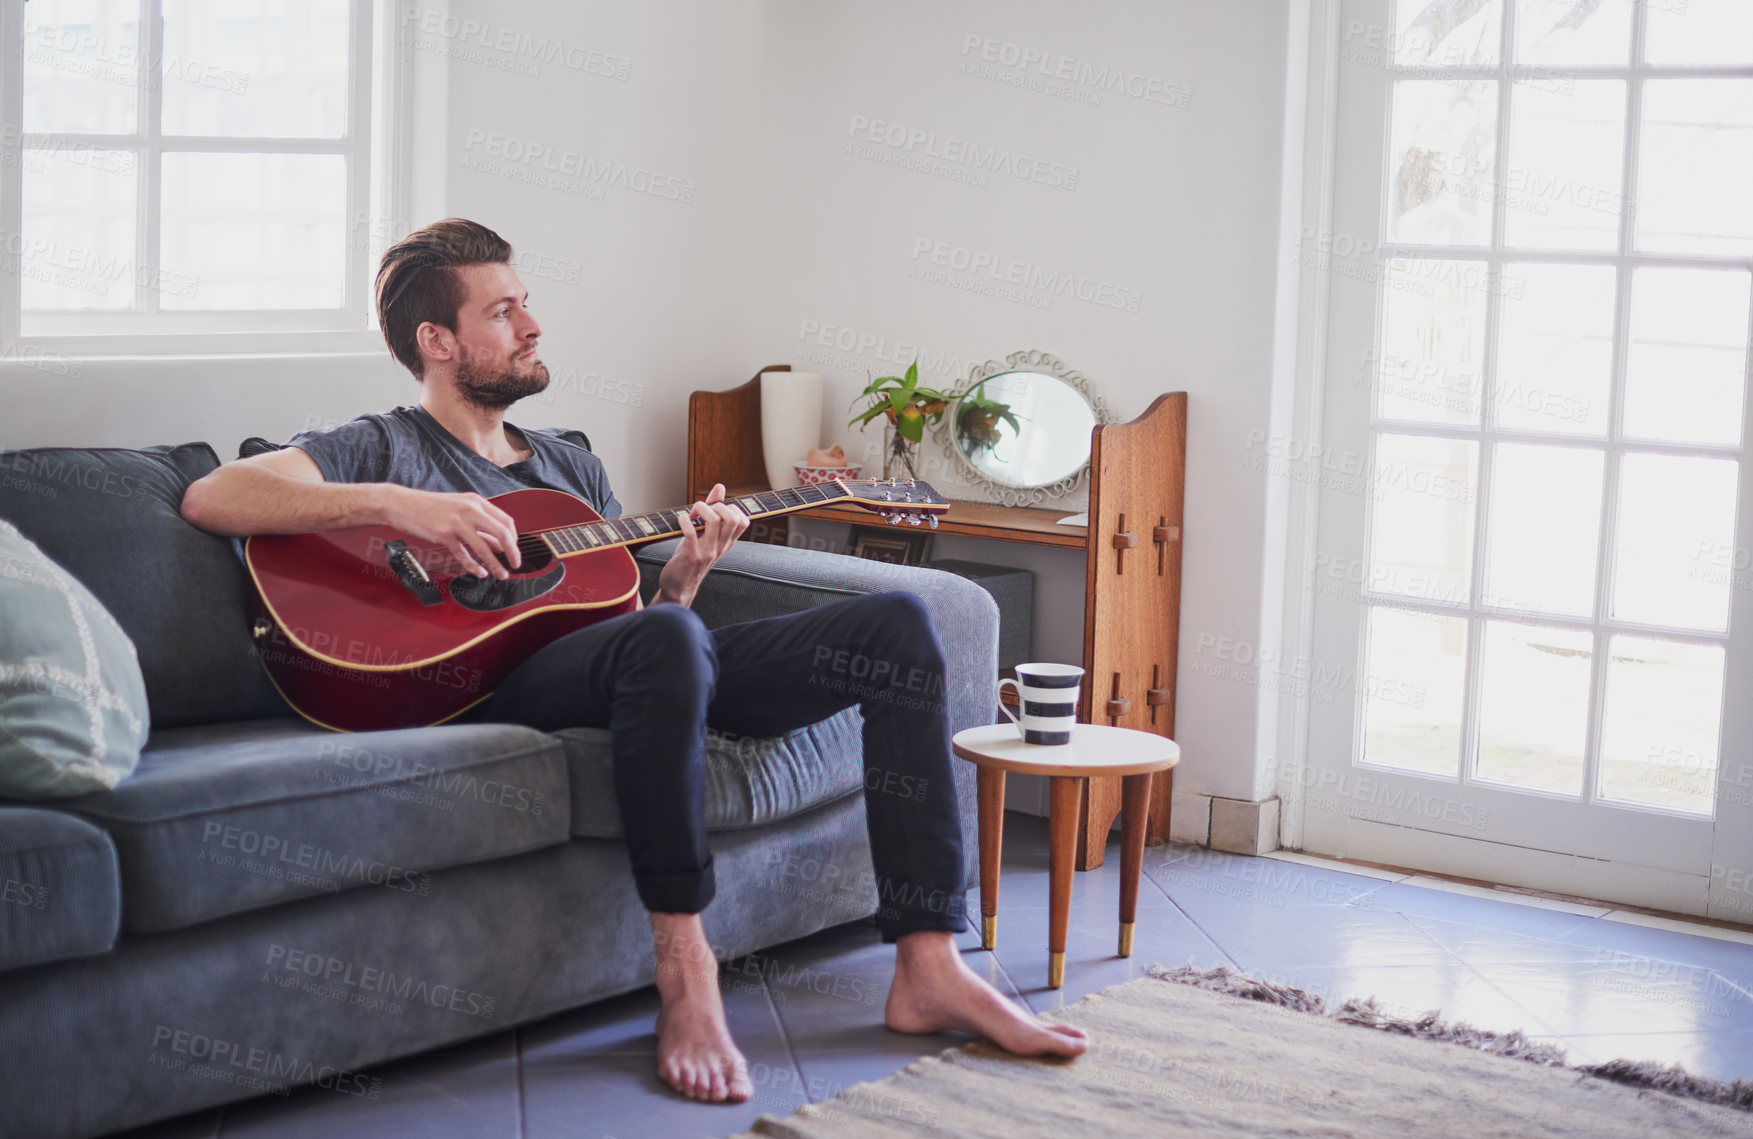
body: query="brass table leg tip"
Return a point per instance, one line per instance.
(988, 931)
(1125, 939)
(1055, 969)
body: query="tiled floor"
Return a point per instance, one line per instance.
(809, 1014)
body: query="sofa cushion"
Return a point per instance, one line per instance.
(228, 817)
(72, 702)
(749, 782)
(110, 517)
(60, 895)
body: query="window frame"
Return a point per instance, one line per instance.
(374, 143)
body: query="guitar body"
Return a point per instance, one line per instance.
(358, 639)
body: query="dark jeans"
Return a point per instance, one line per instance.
(657, 678)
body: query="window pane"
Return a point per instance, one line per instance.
(1543, 529)
(1443, 33)
(1443, 158)
(1573, 31)
(1676, 522)
(1659, 740)
(1433, 339)
(1695, 166)
(255, 231)
(1563, 188)
(1421, 533)
(265, 69)
(1412, 691)
(1534, 707)
(78, 223)
(81, 66)
(1555, 348)
(1687, 356)
(1699, 31)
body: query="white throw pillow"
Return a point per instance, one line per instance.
(73, 711)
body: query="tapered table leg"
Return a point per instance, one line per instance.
(1134, 812)
(991, 790)
(1064, 805)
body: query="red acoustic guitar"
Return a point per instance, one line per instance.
(362, 630)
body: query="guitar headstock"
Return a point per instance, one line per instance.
(899, 500)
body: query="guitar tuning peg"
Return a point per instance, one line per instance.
(893, 519)
(933, 520)
(912, 519)
(912, 482)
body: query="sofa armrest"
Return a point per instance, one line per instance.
(754, 580)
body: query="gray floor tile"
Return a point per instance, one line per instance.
(1455, 992)
(465, 1091)
(1575, 998)
(592, 1073)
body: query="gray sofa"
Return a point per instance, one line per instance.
(264, 903)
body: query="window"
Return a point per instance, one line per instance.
(1534, 419)
(191, 167)
(1564, 333)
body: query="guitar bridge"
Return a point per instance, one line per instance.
(411, 573)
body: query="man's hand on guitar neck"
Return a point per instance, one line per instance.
(721, 525)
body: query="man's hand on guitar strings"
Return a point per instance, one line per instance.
(720, 526)
(466, 524)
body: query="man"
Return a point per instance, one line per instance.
(455, 314)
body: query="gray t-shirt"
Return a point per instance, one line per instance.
(406, 445)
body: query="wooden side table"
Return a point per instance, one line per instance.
(1095, 750)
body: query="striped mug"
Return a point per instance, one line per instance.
(1047, 698)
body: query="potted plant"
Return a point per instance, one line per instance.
(908, 407)
(977, 420)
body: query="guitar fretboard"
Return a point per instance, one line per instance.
(662, 523)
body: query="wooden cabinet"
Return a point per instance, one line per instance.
(1132, 567)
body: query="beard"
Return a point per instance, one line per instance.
(499, 389)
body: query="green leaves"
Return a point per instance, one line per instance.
(902, 401)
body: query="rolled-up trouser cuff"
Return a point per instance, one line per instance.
(945, 913)
(687, 892)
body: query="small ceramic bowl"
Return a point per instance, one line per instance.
(808, 474)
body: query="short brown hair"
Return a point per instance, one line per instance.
(417, 282)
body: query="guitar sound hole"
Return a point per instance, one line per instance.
(485, 594)
(536, 558)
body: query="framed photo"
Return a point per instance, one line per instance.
(891, 544)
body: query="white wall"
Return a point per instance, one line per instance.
(768, 232)
(1177, 204)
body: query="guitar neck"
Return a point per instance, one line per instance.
(658, 524)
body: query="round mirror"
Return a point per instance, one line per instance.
(1022, 428)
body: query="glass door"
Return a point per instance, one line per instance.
(1531, 596)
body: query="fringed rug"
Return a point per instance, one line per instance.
(1177, 1054)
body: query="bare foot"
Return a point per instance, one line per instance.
(695, 1054)
(934, 990)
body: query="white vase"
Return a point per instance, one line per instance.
(791, 423)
